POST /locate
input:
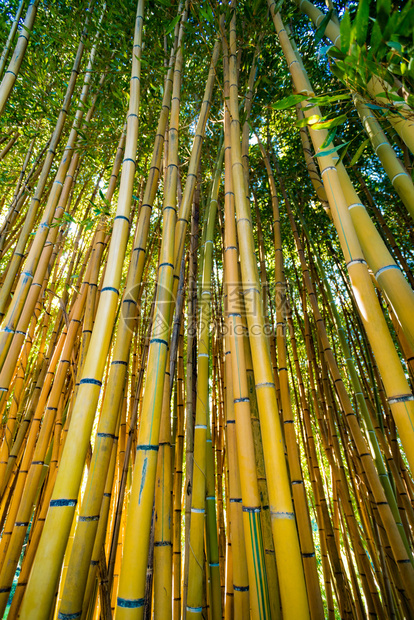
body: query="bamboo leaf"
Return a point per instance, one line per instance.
(308, 120)
(329, 138)
(102, 195)
(324, 99)
(344, 152)
(278, 5)
(396, 45)
(376, 39)
(334, 52)
(338, 71)
(322, 27)
(288, 102)
(324, 50)
(332, 150)
(361, 22)
(345, 30)
(359, 152)
(173, 24)
(405, 20)
(391, 96)
(256, 6)
(390, 26)
(334, 122)
(383, 12)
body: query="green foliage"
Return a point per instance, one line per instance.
(372, 43)
(321, 29)
(39, 91)
(378, 43)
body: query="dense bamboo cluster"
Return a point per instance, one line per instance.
(207, 333)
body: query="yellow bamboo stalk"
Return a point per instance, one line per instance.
(163, 516)
(31, 551)
(178, 474)
(5, 53)
(370, 431)
(131, 594)
(237, 596)
(66, 559)
(103, 528)
(390, 278)
(9, 431)
(114, 544)
(269, 548)
(386, 271)
(392, 165)
(219, 450)
(39, 403)
(372, 600)
(398, 391)
(10, 76)
(190, 383)
(19, 193)
(311, 165)
(162, 580)
(35, 469)
(9, 145)
(98, 249)
(84, 538)
(258, 585)
(150, 434)
(326, 536)
(298, 490)
(290, 572)
(237, 601)
(211, 530)
(372, 476)
(375, 87)
(38, 258)
(29, 223)
(248, 102)
(60, 516)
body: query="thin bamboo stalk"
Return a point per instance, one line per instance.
(130, 601)
(13, 29)
(198, 507)
(58, 521)
(33, 256)
(13, 68)
(375, 87)
(294, 604)
(398, 391)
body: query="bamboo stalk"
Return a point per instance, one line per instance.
(283, 522)
(13, 68)
(65, 493)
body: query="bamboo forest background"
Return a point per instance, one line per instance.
(207, 309)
